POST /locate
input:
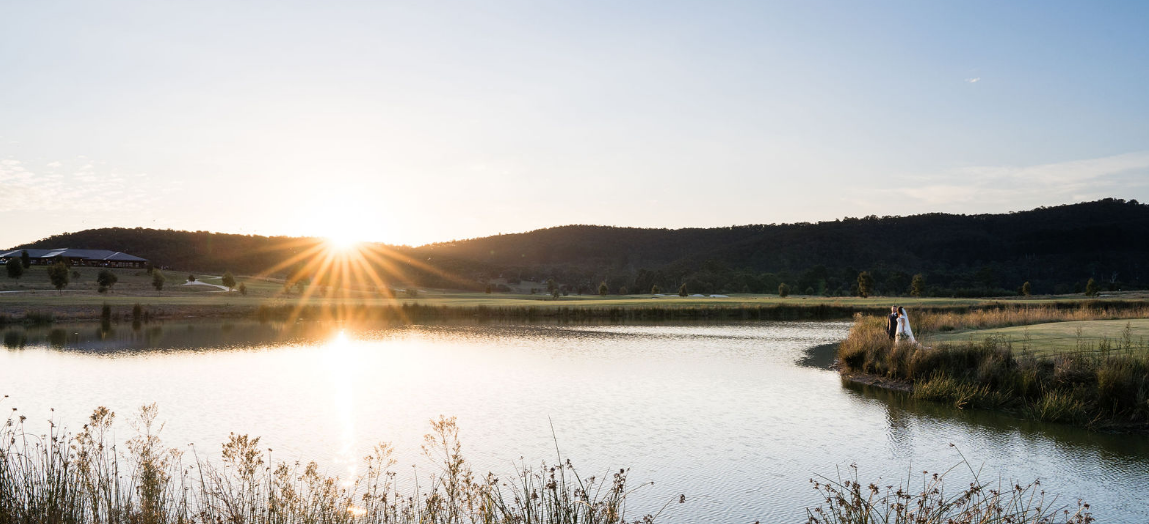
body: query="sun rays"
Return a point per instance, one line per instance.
(343, 275)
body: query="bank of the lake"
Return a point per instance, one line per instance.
(265, 303)
(1101, 384)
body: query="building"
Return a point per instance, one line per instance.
(78, 257)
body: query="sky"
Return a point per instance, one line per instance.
(418, 122)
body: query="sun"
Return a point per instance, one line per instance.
(342, 242)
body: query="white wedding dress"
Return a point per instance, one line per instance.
(905, 334)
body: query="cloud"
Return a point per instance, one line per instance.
(973, 80)
(54, 164)
(85, 191)
(982, 188)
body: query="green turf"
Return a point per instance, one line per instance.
(34, 291)
(1062, 337)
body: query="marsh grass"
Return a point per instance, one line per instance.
(1104, 385)
(847, 501)
(84, 478)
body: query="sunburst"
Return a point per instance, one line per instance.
(341, 274)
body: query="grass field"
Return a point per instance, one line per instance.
(79, 300)
(1062, 337)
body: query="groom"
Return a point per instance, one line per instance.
(892, 322)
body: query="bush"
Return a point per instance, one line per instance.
(158, 280)
(1091, 289)
(58, 275)
(105, 279)
(848, 501)
(783, 290)
(14, 267)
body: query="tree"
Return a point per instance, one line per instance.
(654, 290)
(25, 260)
(58, 275)
(228, 280)
(623, 290)
(412, 292)
(682, 290)
(865, 284)
(551, 285)
(105, 279)
(1026, 290)
(158, 280)
(191, 278)
(489, 289)
(918, 286)
(783, 290)
(1091, 288)
(242, 289)
(15, 268)
(555, 293)
(602, 289)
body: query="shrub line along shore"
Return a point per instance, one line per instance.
(456, 309)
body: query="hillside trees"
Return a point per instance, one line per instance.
(962, 255)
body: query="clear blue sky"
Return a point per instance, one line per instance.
(414, 122)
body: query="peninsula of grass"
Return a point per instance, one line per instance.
(1087, 366)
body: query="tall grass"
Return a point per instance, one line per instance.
(84, 478)
(847, 501)
(1102, 386)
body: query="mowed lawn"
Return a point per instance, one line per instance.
(34, 291)
(1062, 337)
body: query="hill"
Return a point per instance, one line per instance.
(1055, 248)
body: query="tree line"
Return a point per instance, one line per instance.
(1045, 250)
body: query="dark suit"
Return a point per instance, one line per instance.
(892, 325)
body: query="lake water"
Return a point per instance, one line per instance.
(723, 413)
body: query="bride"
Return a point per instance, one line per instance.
(904, 334)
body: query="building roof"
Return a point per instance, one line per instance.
(84, 254)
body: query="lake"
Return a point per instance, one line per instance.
(726, 414)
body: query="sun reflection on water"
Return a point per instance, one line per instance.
(341, 359)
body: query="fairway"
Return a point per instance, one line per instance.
(1062, 337)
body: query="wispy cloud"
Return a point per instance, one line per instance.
(973, 80)
(982, 188)
(86, 190)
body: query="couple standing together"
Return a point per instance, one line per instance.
(898, 325)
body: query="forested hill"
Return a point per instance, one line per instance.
(1055, 248)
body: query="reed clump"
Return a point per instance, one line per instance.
(85, 479)
(1101, 386)
(846, 500)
